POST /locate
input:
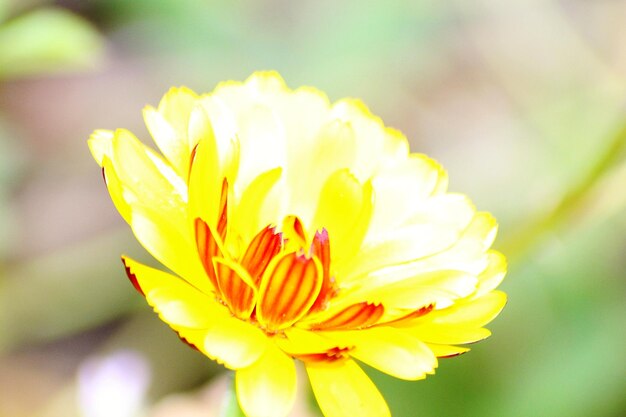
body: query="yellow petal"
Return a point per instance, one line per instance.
(389, 350)
(438, 287)
(446, 351)
(402, 246)
(468, 253)
(170, 245)
(401, 189)
(267, 388)
(262, 140)
(168, 126)
(205, 183)
(446, 334)
(474, 313)
(100, 145)
(251, 215)
(115, 188)
(140, 175)
(493, 275)
(177, 302)
(235, 343)
(344, 210)
(174, 147)
(302, 342)
(342, 389)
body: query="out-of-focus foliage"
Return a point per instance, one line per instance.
(47, 41)
(522, 101)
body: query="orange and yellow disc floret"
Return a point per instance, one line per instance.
(300, 229)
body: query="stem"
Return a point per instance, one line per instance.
(230, 406)
(526, 237)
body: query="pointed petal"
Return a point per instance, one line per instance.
(251, 215)
(236, 287)
(235, 343)
(321, 249)
(208, 248)
(205, 183)
(169, 245)
(289, 287)
(439, 287)
(446, 334)
(173, 146)
(446, 351)
(260, 252)
(177, 302)
(267, 388)
(493, 275)
(401, 188)
(356, 316)
(140, 175)
(100, 145)
(342, 389)
(116, 189)
(474, 313)
(389, 350)
(302, 342)
(344, 209)
(168, 126)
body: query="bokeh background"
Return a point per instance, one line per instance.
(523, 101)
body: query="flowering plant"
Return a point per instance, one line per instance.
(297, 229)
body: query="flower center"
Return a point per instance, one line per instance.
(277, 281)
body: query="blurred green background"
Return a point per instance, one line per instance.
(523, 101)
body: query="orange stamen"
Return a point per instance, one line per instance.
(287, 291)
(207, 249)
(321, 249)
(357, 316)
(331, 355)
(222, 219)
(236, 292)
(263, 248)
(422, 311)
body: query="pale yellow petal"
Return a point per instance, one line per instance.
(100, 144)
(474, 313)
(235, 343)
(447, 334)
(369, 130)
(168, 126)
(178, 303)
(493, 275)
(402, 188)
(439, 287)
(250, 215)
(401, 246)
(173, 146)
(139, 174)
(169, 244)
(262, 139)
(267, 388)
(344, 210)
(205, 184)
(392, 351)
(342, 389)
(446, 351)
(301, 342)
(467, 251)
(116, 190)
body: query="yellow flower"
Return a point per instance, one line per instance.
(300, 229)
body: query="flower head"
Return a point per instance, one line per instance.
(297, 229)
